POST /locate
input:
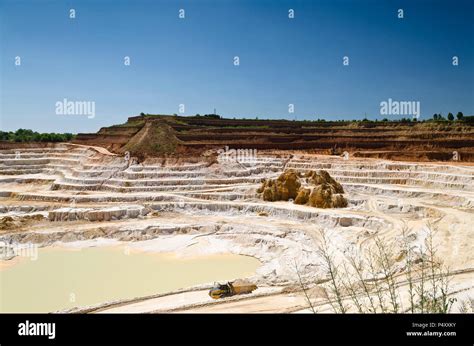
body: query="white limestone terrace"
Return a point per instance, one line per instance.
(75, 193)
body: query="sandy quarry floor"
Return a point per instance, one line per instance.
(77, 194)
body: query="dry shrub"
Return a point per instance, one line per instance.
(373, 282)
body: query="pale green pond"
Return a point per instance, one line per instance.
(63, 278)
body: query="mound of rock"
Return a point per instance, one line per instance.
(284, 188)
(319, 189)
(322, 177)
(13, 222)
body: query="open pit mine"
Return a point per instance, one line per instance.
(164, 214)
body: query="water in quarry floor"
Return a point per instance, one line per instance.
(62, 278)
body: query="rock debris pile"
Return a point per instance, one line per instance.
(315, 189)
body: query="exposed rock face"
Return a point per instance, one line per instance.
(282, 189)
(320, 190)
(324, 196)
(327, 192)
(7, 222)
(323, 177)
(303, 196)
(104, 214)
(14, 222)
(187, 136)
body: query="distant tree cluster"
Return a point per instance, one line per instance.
(23, 135)
(214, 116)
(459, 116)
(407, 120)
(437, 117)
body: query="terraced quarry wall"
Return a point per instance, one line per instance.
(67, 193)
(428, 141)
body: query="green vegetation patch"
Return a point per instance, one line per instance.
(22, 135)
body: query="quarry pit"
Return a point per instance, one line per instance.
(83, 197)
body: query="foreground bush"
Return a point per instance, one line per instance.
(383, 281)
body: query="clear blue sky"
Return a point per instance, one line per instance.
(190, 61)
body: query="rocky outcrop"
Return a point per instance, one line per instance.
(8, 223)
(324, 196)
(320, 190)
(303, 196)
(282, 189)
(322, 177)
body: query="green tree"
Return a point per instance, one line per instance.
(435, 116)
(450, 116)
(460, 116)
(22, 135)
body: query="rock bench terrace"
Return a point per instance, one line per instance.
(67, 193)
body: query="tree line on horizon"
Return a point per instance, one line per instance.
(459, 116)
(436, 117)
(23, 135)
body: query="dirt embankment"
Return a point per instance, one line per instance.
(162, 135)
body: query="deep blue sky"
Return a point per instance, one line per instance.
(190, 61)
